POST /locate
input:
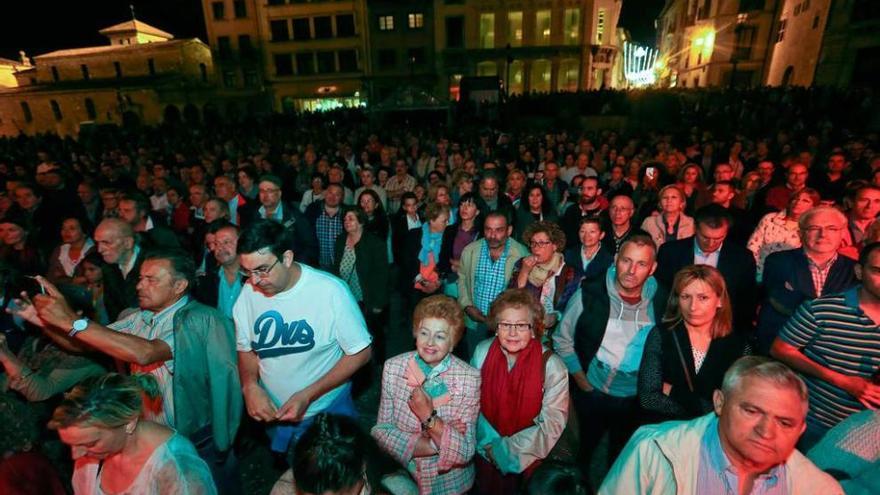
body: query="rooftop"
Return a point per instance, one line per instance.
(91, 50)
(135, 26)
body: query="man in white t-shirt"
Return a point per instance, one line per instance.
(300, 336)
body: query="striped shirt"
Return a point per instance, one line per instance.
(835, 333)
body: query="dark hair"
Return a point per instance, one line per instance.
(408, 195)
(546, 205)
(30, 185)
(557, 478)
(141, 203)
(266, 234)
(359, 214)
(220, 224)
(182, 264)
(248, 170)
(866, 252)
(332, 455)
(713, 215)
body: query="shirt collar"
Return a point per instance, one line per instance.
(699, 252)
(278, 215)
(720, 463)
(151, 318)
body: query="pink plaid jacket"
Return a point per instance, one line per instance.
(397, 429)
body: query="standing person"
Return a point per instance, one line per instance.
(864, 211)
(240, 209)
(590, 256)
(484, 271)
(601, 339)
(274, 207)
(220, 288)
(686, 356)
(523, 395)
(831, 340)
(134, 209)
(362, 263)
(778, 231)
(421, 253)
(116, 451)
(746, 445)
(671, 223)
(430, 403)
(326, 217)
(466, 229)
(300, 336)
(401, 182)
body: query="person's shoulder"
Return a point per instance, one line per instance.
(461, 367)
(807, 478)
(398, 363)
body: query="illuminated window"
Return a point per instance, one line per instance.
(487, 30)
(542, 27)
(516, 77)
(416, 20)
(600, 26)
(567, 79)
(514, 28)
(488, 68)
(386, 23)
(571, 26)
(540, 76)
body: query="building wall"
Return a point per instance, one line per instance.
(850, 53)
(799, 29)
(403, 50)
(240, 72)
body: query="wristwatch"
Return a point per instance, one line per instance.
(78, 326)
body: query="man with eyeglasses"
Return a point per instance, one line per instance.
(620, 214)
(797, 275)
(300, 336)
(273, 207)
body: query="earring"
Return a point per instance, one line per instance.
(129, 428)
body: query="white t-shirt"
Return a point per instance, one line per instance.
(300, 334)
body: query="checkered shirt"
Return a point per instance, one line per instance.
(328, 229)
(489, 279)
(820, 273)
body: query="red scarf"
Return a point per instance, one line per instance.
(511, 400)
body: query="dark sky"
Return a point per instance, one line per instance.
(638, 16)
(75, 24)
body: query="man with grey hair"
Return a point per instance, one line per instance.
(747, 445)
(797, 275)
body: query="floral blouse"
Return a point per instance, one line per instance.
(774, 233)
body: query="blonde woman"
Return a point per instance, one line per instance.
(670, 223)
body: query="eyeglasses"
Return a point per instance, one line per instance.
(258, 272)
(505, 326)
(540, 244)
(815, 229)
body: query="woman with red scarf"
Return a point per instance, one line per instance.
(523, 396)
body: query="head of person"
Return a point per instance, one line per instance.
(802, 201)
(110, 198)
(224, 187)
(336, 174)
(516, 181)
(73, 230)
(400, 168)
(516, 317)
(93, 268)
(225, 244)
(621, 210)
(590, 190)
(536, 199)
(99, 416)
(699, 297)
(468, 209)
(166, 275)
(551, 171)
(247, 177)
(86, 192)
(216, 209)
(691, 174)
(269, 188)
(437, 216)
(723, 192)
(409, 203)
(712, 226)
(334, 457)
(797, 176)
(367, 177)
(333, 195)
(114, 239)
(266, 255)
(672, 200)
(544, 240)
(766, 169)
(635, 263)
(354, 219)
(371, 203)
(439, 193)
(837, 162)
(49, 176)
(133, 208)
(866, 203)
(723, 171)
(868, 268)
(761, 409)
(438, 325)
(821, 230)
(13, 230)
(489, 188)
(590, 232)
(617, 173)
(27, 196)
(496, 229)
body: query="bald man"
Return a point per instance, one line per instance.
(116, 244)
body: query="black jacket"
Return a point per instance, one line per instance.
(305, 248)
(371, 267)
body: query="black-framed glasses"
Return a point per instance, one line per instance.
(507, 326)
(258, 272)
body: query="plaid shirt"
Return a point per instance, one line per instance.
(489, 280)
(397, 429)
(820, 273)
(328, 229)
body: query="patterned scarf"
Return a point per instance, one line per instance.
(541, 272)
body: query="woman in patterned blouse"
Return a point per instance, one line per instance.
(429, 406)
(685, 356)
(778, 231)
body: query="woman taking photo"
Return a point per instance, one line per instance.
(535, 207)
(466, 229)
(778, 231)
(590, 256)
(76, 245)
(117, 452)
(430, 402)
(523, 395)
(544, 273)
(686, 356)
(362, 263)
(670, 223)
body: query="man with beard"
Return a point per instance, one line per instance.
(590, 204)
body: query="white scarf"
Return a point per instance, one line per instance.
(68, 264)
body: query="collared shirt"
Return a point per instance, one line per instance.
(128, 267)
(233, 209)
(148, 226)
(820, 273)
(278, 215)
(716, 474)
(227, 293)
(155, 326)
(328, 229)
(489, 279)
(413, 223)
(701, 258)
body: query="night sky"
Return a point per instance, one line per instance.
(76, 24)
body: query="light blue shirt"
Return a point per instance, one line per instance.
(278, 216)
(233, 209)
(227, 293)
(716, 475)
(701, 258)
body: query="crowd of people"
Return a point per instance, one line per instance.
(705, 296)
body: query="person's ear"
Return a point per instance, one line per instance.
(287, 258)
(718, 401)
(858, 271)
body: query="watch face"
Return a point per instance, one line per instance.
(80, 325)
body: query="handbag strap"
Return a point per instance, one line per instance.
(684, 366)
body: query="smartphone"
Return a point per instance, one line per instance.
(651, 172)
(32, 286)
